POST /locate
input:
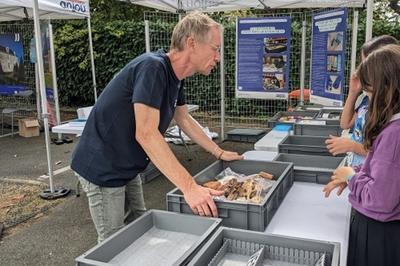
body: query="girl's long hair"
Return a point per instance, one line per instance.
(380, 75)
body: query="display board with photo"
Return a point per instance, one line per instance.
(12, 74)
(328, 57)
(263, 57)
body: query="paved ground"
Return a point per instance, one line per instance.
(66, 231)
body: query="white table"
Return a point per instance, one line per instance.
(306, 213)
(68, 129)
(260, 155)
(77, 130)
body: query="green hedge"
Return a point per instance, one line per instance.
(116, 42)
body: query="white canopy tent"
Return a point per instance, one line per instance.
(176, 6)
(19, 9)
(11, 10)
(227, 5)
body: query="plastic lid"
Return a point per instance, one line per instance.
(282, 127)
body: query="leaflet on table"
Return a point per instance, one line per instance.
(328, 57)
(263, 57)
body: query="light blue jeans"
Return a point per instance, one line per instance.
(107, 205)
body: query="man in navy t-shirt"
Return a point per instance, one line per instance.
(125, 128)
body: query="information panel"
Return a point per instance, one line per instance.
(328, 57)
(263, 57)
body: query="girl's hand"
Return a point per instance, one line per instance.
(339, 145)
(355, 85)
(339, 179)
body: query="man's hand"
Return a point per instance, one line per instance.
(339, 179)
(200, 200)
(339, 145)
(231, 156)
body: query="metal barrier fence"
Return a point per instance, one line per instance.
(14, 106)
(238, 112)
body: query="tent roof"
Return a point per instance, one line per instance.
(48, 9)
(227, 5)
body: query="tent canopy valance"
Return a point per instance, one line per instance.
(48, 9)
(228, 5)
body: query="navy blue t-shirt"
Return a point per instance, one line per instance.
(107, 153)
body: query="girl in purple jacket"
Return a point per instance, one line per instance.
(375, 189)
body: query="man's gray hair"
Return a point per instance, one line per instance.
(197, 25)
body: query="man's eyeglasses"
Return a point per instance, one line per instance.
(215, 48)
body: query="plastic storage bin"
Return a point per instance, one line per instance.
(157, 237)
(245, 134)
(311, 114)
(229, 246)
(243, 215)
(151, 172)
(330, 114)
(311, 168)
(317, 130)
(271, 140)
(311, 145)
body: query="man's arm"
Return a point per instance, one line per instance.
(149, 137)
(191, 128)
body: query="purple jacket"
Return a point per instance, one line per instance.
(375, 189)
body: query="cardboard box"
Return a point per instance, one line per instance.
(28, 127)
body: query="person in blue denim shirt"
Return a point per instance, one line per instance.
(354, 159)
(354, 114)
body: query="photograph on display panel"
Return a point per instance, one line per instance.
(275, 45)
(333, 84)
(274, 81)
(335, 41)
(334, 63)
(274, 63)
(11, 64)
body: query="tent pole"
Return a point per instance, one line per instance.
(147, 35)
(303, 60)
(92, 59)
(54, 74)
(37, 86)
(353, 58)
(370, 16)
(39, 59)
(222, 80)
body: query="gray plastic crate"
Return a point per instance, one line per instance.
(317, 130)
(275, 119)
(243, 215)
(229, 246)
(309, 106)
(157, 237)
(311, 145)
(311, 168)
(245, 134)
(330, 116)
(150, 173)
